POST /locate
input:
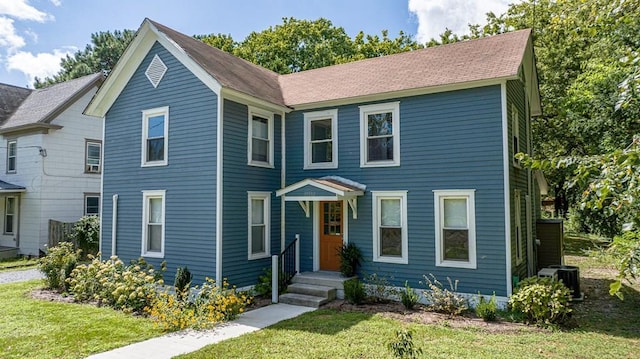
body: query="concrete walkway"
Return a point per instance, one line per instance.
(20, 275)
(170, 345)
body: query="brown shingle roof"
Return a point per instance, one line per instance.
(230, 71)
(491, 57)
(43, 105)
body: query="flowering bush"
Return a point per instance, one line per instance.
(130, 288)
(544, 301)
(444, 300)
(199, 308)
(58, 264)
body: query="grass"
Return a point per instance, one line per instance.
(39, 329)
(605, 327)
(17, 263)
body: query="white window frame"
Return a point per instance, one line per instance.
(394, 108)
(517, 218)
(438, 199)
(253, 111)
(146, 114)
(86, 197)
(377, 197)
(309, 117)
(89, 168)
(15, 156)
(266, 198)
(7, 214)
(515, 129)
(146, 196)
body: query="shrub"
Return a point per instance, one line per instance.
(626, 250)
(263, 287)
(403, 346)
(408, 296)
(444, 300)
(86, 232)
(354, 291)
(58, 264)
(350, 259)
(487, 310)
(543, 301)
(130, 288)
(379, 289)
(182, 281)
(170, 312)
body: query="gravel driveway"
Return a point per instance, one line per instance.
(19, 275)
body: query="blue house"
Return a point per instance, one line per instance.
(216, 163)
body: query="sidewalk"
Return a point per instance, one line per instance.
(170, 345)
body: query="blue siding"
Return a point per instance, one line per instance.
(189, 178)
(238, 179)
(450, 140)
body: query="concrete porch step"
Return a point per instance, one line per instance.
(314, 290)
(303, 300)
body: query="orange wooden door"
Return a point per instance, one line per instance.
(331, 227)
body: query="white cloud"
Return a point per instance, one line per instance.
(434, 16)
(8, 37)
(20, 9)
(39, 65)
(56, 2)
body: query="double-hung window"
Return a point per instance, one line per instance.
(91, 204)
(380, 135)
(455, 228)
(259, 214)
(321, 139)
(155, 134)
(390, 232)
(93, 149)
(12, 156)
(515, 129)
(260, 138)
(153, 215)
(9, 215)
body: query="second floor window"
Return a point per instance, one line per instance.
(260, 138)
(380, 135)
(93, 150)
(12, 156)
(155, 133)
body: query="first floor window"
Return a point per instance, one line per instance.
(153, 223)
(9, 214)
(390, 234)
(155, 132)
(455, 228)
(91, 204)
(12, 156)
(259, 224)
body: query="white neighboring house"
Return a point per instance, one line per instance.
(50, 160)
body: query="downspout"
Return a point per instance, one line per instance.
(114, 224)
(219, 166)
(283, 181)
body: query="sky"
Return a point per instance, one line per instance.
(36, 34)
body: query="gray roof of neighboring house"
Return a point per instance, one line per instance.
(41, 106)
(9, 187)
(10, 98)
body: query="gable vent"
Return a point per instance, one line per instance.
(155, 71)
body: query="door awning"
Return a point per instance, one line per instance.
(6, 187)
(330, 188)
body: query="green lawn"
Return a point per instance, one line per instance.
(41, 329)
(17, 263)
(604, 328)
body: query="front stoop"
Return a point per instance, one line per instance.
(313, 289)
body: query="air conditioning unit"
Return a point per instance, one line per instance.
(548, 273)
(93, 168)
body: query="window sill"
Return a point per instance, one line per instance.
(152, 255)
(392, 260)
(379, 164)
(457, 264)
(154, 164)
(261, 164)
(317, 166)
(258, 256)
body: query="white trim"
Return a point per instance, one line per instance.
(438, 201)
(219, 188)
(377, 196)
(394, 108)
(515, 130)
(266, 212)
(283, 182)
(517, 221)
(254, 111)
(113, 230)
(309, 117)
(506, 165)
(321, 186)
(146, 114)
(114, 224)
(146, 196)
(316, 236)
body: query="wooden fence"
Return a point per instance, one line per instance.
(60, 232)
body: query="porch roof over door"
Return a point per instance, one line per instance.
(330, 188)
(6, 187)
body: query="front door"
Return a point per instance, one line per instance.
(331, 231)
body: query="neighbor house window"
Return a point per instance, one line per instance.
(380, 135)
(153, 223)
(155, 133)
(93, 150)
(260, 138)
(515, 129)
(321, 139)
(390, 233)
(259, 215)
(455, 228)
(517, 208)
(9, 214)
(12, 156)
(91, 204)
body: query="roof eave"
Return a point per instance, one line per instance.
(31, 127)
